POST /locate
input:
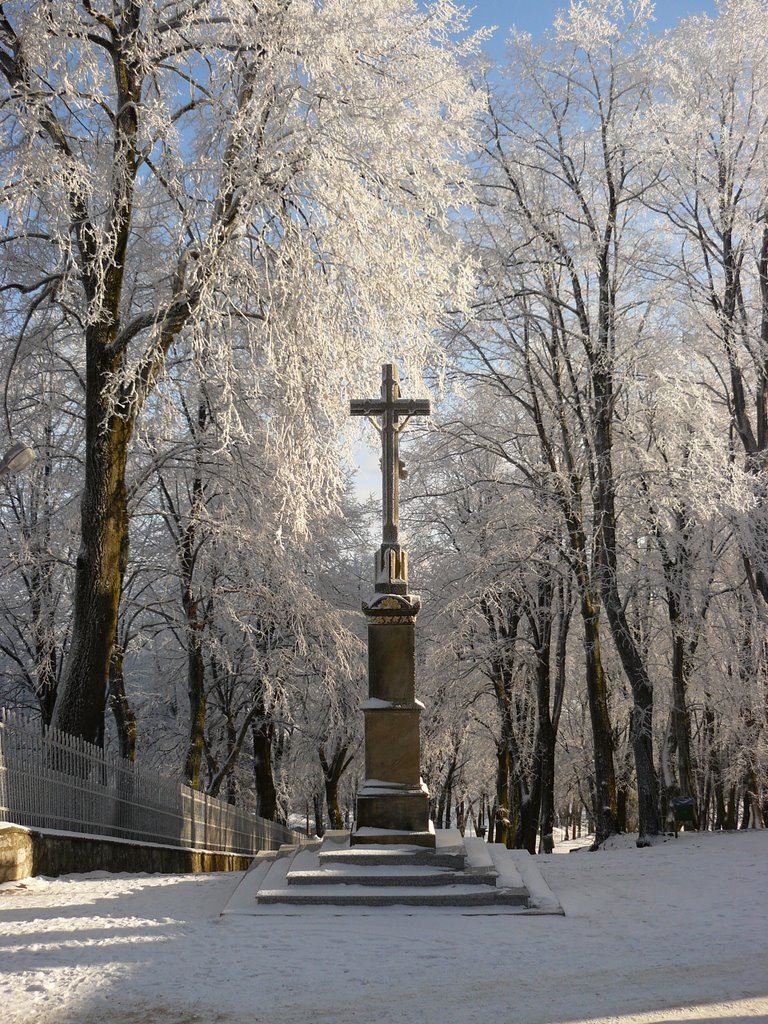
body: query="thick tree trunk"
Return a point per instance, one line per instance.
(125, 719)
(682, 722)
(333, 768)
(641, 716)
(335, 817)
(515, 815)
(714, 768)
(448, 800)
(503, 619)
(604, 795)
(266, 792)
(461, 816)
(98, 576)
(731, 806)
(541, 815)
(525, 796)
(231, 778)
(720, 814)
(317, 804)
(676, 568)
(547, 740)
(641, 735)
(530, 808)
(606, 823)
(501, 812)
(524, 790)
(753, 811)
(445, 796)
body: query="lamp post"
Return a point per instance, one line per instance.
(18, 457)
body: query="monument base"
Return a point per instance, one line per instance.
(388, 813)
(377, 837)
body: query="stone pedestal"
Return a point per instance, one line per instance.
(393, 803)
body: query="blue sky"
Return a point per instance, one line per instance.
(535, 16)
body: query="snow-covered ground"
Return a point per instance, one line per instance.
(675, 932)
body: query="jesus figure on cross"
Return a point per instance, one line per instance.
(391, 559)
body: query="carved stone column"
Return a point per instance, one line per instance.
(393, 803)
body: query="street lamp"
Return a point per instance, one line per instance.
(16, 458)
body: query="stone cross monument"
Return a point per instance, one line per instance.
(393, 803)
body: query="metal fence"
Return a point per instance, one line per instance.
(56, 781)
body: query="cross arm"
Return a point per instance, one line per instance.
(367, 407)
(411, 407)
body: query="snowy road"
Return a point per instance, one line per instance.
(677, 932)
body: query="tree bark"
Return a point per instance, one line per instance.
(262, 733)
(317, 803)
(98, 572)
(333, 769)
(125, 719)
(501, 811)
(752, 816)
(676, 568)
(196, 693)
(606, 823)
(543, 774)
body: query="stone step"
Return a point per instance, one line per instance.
(346, 895)
(396, 855)
(411, 876)
(448, 852)
(392, 837)
(494, 880)
(299, 877)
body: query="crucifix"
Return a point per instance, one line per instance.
(392, 805)
(391, 560)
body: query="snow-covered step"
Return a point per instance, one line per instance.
(243, 899)
(364, 896)
(396, 855)
(448, 852)
(388, 875)
(477, 854)
(504, 864)
(459, 873)
(397, 877)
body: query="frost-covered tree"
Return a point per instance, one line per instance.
(564, 316)
(494, 624)
(38, 525)
(711, 135)
(259, 190)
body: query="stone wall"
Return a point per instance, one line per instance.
(26, 852)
